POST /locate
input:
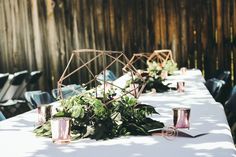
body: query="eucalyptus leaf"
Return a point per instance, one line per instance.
(44, 130)
(148, 108)
(150, 124)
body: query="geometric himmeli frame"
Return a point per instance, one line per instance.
(114, 57)
(161, 56)
(143, 57)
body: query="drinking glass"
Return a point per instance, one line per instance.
(180, 86)
(60, 127)
(181, 117)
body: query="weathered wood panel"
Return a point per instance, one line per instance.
(41, 34)
(233, 37)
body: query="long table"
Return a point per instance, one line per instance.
(207, 117)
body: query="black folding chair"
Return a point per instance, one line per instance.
(12, 85)
(215, 87)
(8, 105)
(42, 98)
(31, 80)
(222, 75)
(233, 91)
(28, 97)
(2, 117)
(108, 75)
(68, 91)
(230, 109)
(3, 79)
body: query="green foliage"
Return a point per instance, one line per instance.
(155, 68)
(44, 130)
(154, 79)
(155, 83)
(170, 67)
(93, 118)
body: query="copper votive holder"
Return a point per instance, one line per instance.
(60, 128)
(181, 117)
(180, 86)
(183, 70)
(44, 113)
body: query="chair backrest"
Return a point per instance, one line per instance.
(214, 86)
(222, 75)
(31, 79)
(2, 117)
(233, 91)
(108, 76)
(19, 77)
(3, 79)
(28, 97)
(12, 85)
(42, 98)
(68, 91)
(34, 77)
(230, 104)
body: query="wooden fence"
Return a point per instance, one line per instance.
(41, 34)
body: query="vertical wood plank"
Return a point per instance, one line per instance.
(52, 42)
(107, 27)
(226, 35)
(37, 39)
(75, 33)
(173, 29)
(219, 36)
(204, 35)
(234, 39)
(191, 32)
(183, 34)
(199, 53)
(112, 24)
(156, 26)
(163, 24)
(27, 20)
(9, 41)
(3, 39)
(211, 56)
(99, 24)
(59, 8)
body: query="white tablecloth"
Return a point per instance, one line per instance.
(207, 116)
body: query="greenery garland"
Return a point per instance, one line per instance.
(152, 77)
(96, 119)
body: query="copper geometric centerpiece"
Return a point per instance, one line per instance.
(107, 108)
(89, 68)
(140, 59)
(158, 65)
(161, 56)
(164, 61)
